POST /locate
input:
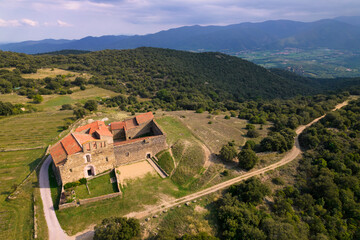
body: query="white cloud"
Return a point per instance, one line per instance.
(29, 22)
(9, 23)
(63, 24)
(18, 23)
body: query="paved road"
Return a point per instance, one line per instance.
(54, 228)
(56, 232)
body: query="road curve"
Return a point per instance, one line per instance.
(56, 232)
(290, 156)
(54, 228)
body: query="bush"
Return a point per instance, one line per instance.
(209, 122)
(250, 126)
(83, 180)
(252, 133)
(82, 87)
(277, 181)
(227, 117)
(228, 153)
(250, 144)
(37, 98)
(117, 228)
(200, 110)
(91, 105)
(247, 159)
(66, 107)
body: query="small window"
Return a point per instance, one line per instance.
(87, 158)
(107, 159)
(70, 169)
(127, 154)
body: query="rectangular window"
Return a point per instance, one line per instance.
(87, 158)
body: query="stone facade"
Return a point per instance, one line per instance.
(95, 148)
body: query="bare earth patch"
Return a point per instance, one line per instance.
(135, 170)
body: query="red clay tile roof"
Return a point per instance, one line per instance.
(145, 117)
(58, 153)
(133, 122)
(91, 127)
(117, 125)
(70, 144)
(104, 132)
(83, 138)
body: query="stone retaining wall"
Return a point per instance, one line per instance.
(95, 199)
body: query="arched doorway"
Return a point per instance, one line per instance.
(89, 171)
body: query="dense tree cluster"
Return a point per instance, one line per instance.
(324, 201)
(117, 228)
(7, 109)
(171, 80)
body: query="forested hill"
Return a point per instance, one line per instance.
(182, 76)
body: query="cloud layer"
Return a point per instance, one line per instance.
(37, 19)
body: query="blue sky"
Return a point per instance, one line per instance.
(72, 19)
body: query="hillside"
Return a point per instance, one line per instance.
(191, 80)
(339, 33)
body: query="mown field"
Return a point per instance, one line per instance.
(30, 130)
(24, 131)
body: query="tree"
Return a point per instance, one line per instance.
(228, 153)
(250, 144)
(66, 107)
(37, 98)
(79, 112)
(91, 105)
(199, 236)
(247, 159)
(252, 133)
(117, 228)
(250, 191)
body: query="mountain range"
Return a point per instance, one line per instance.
(338, 33)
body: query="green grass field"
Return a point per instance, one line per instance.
(137, 194)
(31, 130)
(166, 162)
(98, 186)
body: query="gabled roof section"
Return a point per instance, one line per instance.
(145, 117)
(117, 125)
(133, 122)
(70, 145)
(82, 137)
(91, 127)
(58, 153)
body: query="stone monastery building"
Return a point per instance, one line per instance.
(95, 147)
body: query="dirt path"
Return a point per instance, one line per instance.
(56, 232)
(290, 156)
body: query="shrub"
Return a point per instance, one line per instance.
(250, 144)
(66, 107)
(91, 105)
(37, 98)
(277, 181)
(117, 228)
(228, 153)
(227, 117)
(209, 122)
(252, 133)
(247, 159)
(83, 180)
(250, 126)
(200, 110)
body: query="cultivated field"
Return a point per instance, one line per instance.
(31, 130)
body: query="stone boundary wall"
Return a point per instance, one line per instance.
(67, 205)
(95, 199)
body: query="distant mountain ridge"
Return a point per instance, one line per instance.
(338, 33)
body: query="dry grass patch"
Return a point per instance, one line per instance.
(53, 72)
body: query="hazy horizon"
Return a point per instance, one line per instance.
(23, 20)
